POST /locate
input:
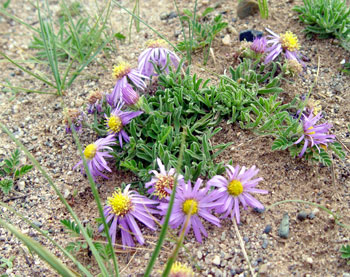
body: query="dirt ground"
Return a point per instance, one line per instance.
(312, 248)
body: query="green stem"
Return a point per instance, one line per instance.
(93, 249)
(170, 207)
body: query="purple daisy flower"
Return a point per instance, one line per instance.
(236, 189)
(194, 202)
(130, 96)
(122, 209)
(95, 155)
(162, 182)
(123, 72)
(259, 45)
(287, 44)
(117, 120)
(158, 54)
(314, 134)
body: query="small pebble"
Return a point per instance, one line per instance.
(246, 8)
(216, 260)
(302, 215)
(226, 40)
(267, 229)
(260, 211)
(283, 230)
(249, 35)
(265, 244)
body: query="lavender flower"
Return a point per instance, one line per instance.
(162, 182)
(95, 154)
(158, 54)
(76, 117)
(130, 96)
(117, 120)
(194, 202)
(284, 43)
(122, 73)
(259, 45)
(95, 99)
(236, 189)
(314, 134)
(122, 209)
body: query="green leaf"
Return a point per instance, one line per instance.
(281, 143)
(345, 251)
(23, 170)
(6, 185)
(119, 36)
(71, 226)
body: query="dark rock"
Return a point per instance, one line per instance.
(267, 229)
(283, 230)
(311, 215)
(250, 35)
(302, 215)
(247, 8)
(260, 211)
(166, 16)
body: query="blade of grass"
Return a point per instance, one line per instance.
(93, 249)
(27, 90)
(97, 199)
(64, 251)
(49, 39)
(15, 18)
(27, 71)
(42, 252)
(188, 51)
(170, 207)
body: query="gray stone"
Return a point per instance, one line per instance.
(267, 229)
(247, 8)
(216, 260)
(302, 216)
(265, 244)
(283, 230)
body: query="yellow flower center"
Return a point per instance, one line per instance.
(90, 151)
(156, 43)
(115, 124)
(235, 188)
(121, 204)
(310, 133)
(289, 41)
(163, 183)
(323, 146)
(178, 269)
(190, 206)
(121, 70)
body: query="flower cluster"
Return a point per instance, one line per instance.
(125, 93)
(192, 204)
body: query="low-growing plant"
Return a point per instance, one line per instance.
(181, 102)
(201, 31)
(345, 252)
(76, 43)
(11, 171)
(326, 18)
(79, 244)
